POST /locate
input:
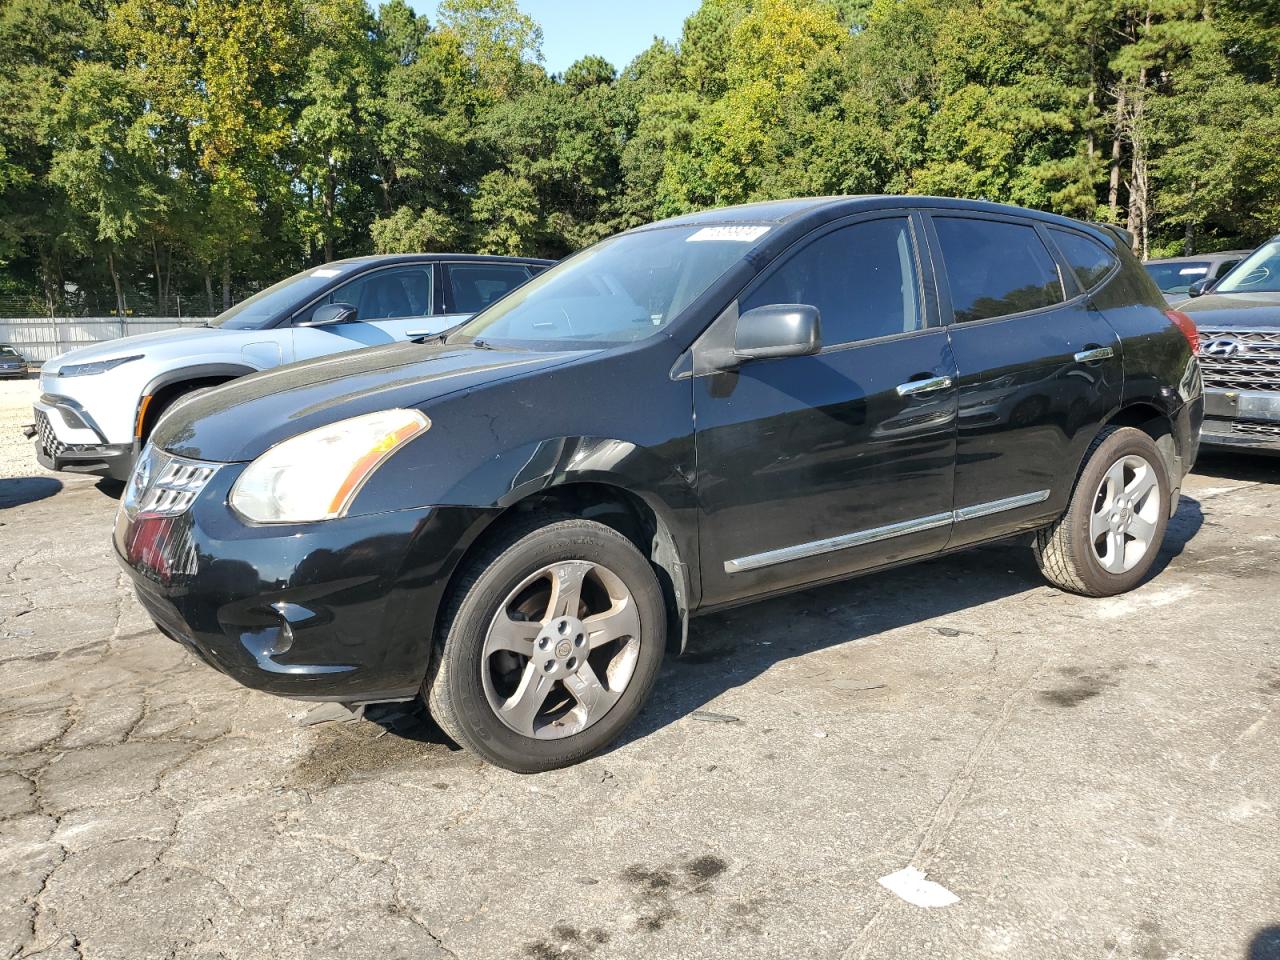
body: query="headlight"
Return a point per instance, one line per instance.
(98, 366)
(316, 475)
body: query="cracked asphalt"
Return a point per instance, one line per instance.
(1090, 778)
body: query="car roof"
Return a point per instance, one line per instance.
(388, 258)
(816, 210)
(1201, 257)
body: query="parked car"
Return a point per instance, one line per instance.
(1176, 275)
(99, 403)
(12, 363)
(1239, 325)
(513, 519)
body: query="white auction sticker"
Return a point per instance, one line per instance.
(741, 234)
(1186, 270)
(325, 273)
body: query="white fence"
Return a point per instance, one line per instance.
(40, 338)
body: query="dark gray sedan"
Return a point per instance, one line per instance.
(12, 363)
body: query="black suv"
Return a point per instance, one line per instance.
(513, 518)
(1239, 321)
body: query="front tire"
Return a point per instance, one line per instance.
(552, 640)
(1108, 538)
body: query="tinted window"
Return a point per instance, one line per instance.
(383, 294)
(475, 286)
(862, 279)
(1178, 276)
(1224, 268)
(996, 268)
(1090, 261)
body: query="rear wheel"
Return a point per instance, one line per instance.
(1112, 530)
(552, 641)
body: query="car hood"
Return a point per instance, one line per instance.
(244, 418)
(1223, 310)
(129, 346)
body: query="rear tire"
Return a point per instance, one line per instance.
(550, 644)
(1108, 538)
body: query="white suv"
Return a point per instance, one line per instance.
(99, 403)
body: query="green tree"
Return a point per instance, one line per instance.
(104, 161)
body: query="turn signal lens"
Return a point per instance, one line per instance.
(316, 475)
(1187, 326)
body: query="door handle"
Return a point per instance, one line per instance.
(915, 388)
(1094, 353)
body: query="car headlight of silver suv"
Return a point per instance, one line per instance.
(98, 366)
(316, 475)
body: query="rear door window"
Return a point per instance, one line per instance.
(473, 286)
(1090, 261)
(996, 268)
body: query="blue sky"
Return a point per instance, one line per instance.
(615, 30)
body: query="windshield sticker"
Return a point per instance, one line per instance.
(743, 234)
(325, 273)
(1186, 270)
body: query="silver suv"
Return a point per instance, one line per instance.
(99, 403)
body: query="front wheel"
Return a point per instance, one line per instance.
(552, 641)
(1112, 530)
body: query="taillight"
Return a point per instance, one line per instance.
(1187, 326)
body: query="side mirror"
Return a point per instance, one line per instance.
(328, 314)
(1199, 288)
(778, 330)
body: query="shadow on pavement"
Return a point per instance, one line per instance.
(110, 488)
(818, 618)
(16, 491)
(1265, 945)
(1234, 466)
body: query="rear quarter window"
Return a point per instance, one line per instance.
(1090, 261)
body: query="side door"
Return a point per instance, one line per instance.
(470, 286)
(1039, 369)
(812, 467)
(392, 303)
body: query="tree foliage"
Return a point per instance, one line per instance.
(203, 148)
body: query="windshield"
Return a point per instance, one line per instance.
(8, 352)
(1259, 272)
(265, 305)
(621, 290)
(1177, 277)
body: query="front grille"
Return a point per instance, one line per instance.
(1258, 428)
(48, 439)
(1240, 359)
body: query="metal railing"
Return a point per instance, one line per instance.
(40, 338)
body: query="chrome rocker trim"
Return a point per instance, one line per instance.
(817, 547)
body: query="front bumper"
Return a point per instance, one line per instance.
(68, 439)
(1245, 420)
(338, 610)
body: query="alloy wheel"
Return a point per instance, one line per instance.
(1126, 513)
(561, 649)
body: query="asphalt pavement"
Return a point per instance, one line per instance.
(1089, 778)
